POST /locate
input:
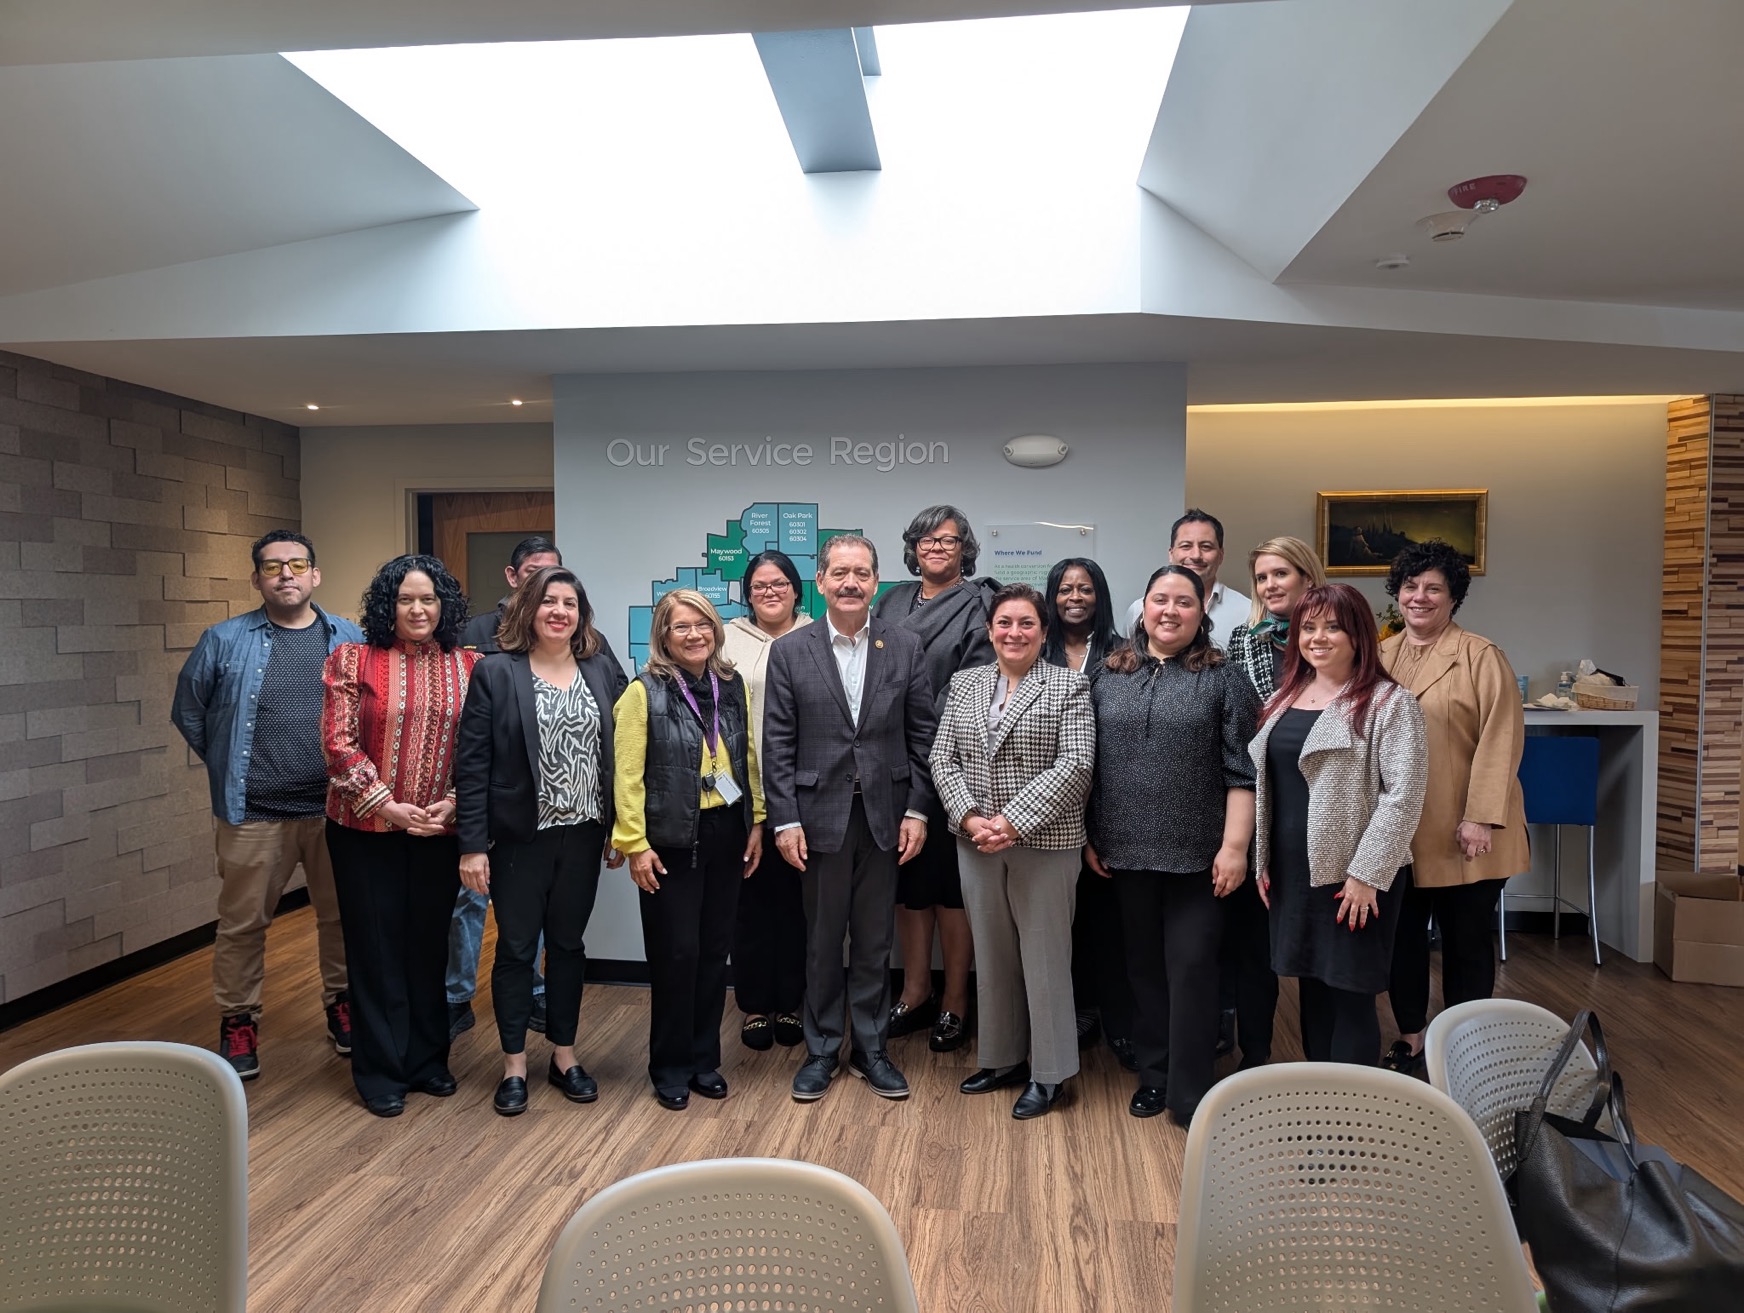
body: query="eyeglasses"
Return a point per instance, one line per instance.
(947, 541)
(774, 589)
(298, 565)
(685, 631)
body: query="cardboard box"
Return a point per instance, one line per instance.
(1698, 928)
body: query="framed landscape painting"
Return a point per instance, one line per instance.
(1361, 532)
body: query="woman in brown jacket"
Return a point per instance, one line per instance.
(1473, 833)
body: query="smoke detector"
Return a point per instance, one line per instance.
(1475, 197)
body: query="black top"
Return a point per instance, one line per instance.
(287, 771)
(1170, 744)
(951, 626)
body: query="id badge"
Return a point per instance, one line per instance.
(724, 784)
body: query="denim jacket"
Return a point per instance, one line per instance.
(216, 694)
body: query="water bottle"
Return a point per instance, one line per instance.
(1565, 684)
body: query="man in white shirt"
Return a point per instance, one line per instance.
(1196, 541)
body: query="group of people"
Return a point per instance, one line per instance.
(1126, 832)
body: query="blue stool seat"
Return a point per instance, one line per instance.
(1559, 774)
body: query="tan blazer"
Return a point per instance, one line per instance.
(1471, 703)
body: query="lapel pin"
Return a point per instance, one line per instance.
(877, 642)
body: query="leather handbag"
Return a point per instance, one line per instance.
(1616, 1226)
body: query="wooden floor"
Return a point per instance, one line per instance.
(451, 1207)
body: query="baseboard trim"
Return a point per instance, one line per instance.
(30, 1006)
(1543, 923)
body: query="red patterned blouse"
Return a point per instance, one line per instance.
(388, 727)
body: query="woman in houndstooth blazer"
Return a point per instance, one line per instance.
(1015, 751)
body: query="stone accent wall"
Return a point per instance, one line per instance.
(125, 520)
(1701, 677)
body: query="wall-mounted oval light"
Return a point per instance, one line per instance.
(1035, 451)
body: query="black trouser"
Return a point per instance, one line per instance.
(769, 940)
(1174, 927)
(396, 898)
(1338, 1025)
(1247, 982)
(1467, 916)
(687, 931)
(1099, 955)
(546, 885)
(850, 895)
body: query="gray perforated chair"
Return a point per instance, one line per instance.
(1489, 1056)
(123, 1182)
(730, 1234)
(1320, 1185)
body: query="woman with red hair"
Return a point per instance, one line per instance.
(1341, 764)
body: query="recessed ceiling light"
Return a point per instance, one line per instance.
(311, 406)
(517, 402)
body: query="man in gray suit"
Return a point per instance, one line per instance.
(848, 721)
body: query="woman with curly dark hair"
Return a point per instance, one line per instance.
(1472, 836)
(388, 729)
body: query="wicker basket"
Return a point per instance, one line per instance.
(1606, 697)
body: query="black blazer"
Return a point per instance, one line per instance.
(812, 752)
(496, 764)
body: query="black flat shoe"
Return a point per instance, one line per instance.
(439, 1086)
(1399, 1058)
(1038, 1099)
(949, 1032)
(906, 1020)
(757, 1034)
(1147, 1101)
(709, 1084)
(576, 1084)
(511, 1096)
(989, 1079)
(1124, 1053)
(672, 1100)
(386, 1105)
(788, 1030)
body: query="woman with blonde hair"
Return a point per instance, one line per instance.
(689, 818)
(1282, 569)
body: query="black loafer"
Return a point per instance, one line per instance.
(989, 1079)
(511, 1096)
(672, 1100)
(386, 1105)
(812, 1080)
(1399, 1058)
(576, 1084)
(709, 1084)
(440, 1086)
(906, 1020)
(880, 1073)
(757, 1034)
(1037, 1099)
(788, 1030)
(948, 1035)
(1147, 1101)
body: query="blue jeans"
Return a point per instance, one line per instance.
(465, 937)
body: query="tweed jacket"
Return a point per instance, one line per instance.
(1365, 790)
(1471, 708)
(814, 756)
(1034, 770)
(1251, 655)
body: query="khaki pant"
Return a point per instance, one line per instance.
(256, 861)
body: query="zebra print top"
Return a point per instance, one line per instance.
(569, 733)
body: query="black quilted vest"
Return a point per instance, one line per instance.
(674, 790)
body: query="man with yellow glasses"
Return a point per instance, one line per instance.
(249, 703)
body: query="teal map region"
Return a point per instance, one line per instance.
(791, 527)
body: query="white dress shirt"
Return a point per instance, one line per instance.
(850, 654)
(1227, 609)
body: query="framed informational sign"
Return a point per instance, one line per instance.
(1024, 553)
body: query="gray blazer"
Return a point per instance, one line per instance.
(1034, 769)
(813, 753)
(1365, 791)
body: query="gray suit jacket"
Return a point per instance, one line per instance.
(813, 753)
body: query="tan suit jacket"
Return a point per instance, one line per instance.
(1471, 704)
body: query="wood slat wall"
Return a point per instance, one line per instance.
(1701, 679)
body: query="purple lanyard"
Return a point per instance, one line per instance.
(711, 735)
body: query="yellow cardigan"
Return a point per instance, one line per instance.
(629, 769)
(1476, 730)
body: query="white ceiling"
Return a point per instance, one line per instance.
(114, 168)
(1626, 118)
